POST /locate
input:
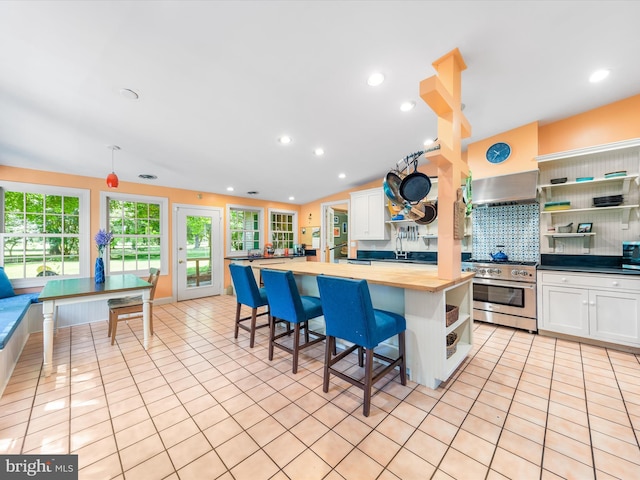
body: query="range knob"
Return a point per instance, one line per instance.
(481, 271)
(515, 273)
(524, 273)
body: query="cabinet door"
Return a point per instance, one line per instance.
(615, 316)
(367, 215)
(565, 310)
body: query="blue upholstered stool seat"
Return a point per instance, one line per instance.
(286, 303)
(248, 293)
(349, 315)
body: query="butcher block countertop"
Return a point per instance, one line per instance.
(414, 277)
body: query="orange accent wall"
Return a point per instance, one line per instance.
(174, 195)
(611, 123)
(524, 149)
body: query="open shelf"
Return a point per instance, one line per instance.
(585, 236)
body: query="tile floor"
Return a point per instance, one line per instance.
(201, 405)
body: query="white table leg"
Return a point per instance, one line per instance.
(146, 317)
(47, 335)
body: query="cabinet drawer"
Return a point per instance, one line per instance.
(590, 280)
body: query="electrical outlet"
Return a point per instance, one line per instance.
(559, 247)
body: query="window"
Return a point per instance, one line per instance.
(139, 227)
(245, 227)
(283, 227)
(45, 232)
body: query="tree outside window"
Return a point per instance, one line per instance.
(244, 227)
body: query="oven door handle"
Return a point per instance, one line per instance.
(498, 283)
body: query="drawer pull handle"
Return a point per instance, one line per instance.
(564, 279)
(615, 284)
(592, 303)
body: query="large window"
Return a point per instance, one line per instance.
(44, 232)
(139, 226)
(283, 227)
(245, 227)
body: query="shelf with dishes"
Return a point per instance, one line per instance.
(624, 209)
(610, 178)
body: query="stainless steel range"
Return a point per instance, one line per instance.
(504, 292)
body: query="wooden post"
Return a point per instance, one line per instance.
(442, 92)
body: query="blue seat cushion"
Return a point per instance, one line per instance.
(6, 289)
(312, 306)
(12, 310)
(388, 324)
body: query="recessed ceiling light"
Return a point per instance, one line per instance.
(342, 175)
(147, 176)
(285, 139)
(318, 152)
(292, 198)
(128, 93)
(406, 106)
(428, 141)
(599, 75)
(229, 189)
(375, 79)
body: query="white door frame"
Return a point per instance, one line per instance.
(323, 226)
(217, 255)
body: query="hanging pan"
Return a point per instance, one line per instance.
(423, 213)
(415, 186)
(391, 185)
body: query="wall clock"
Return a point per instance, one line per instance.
(498, 152)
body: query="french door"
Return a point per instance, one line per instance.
(198, 259)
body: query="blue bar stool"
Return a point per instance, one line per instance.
(349, 315)
(248, 293)
(286, 303)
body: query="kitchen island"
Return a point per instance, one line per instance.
(417, 293)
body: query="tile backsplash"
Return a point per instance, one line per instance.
(517, 227)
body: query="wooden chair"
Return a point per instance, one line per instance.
(130, 308)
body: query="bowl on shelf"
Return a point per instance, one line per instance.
(608, 201)
(584, 179)
(555, 181)
(621, 173)
(565, 228)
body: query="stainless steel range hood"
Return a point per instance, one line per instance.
(506, 189)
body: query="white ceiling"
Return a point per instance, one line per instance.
(220, 81)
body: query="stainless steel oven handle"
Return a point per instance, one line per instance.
(498, 283)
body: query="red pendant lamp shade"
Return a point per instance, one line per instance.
(112, 178)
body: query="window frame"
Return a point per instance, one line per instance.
(84, 221)
(164, 226)
(294, 222)
(260, 211)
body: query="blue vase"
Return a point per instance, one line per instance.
(99, 275)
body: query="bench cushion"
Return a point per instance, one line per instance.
(12, 310)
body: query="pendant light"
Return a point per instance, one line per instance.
(112, 178)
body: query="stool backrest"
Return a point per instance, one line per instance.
(284, 298)
(244, 283)
(348, 310)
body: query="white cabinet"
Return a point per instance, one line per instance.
(368, 215)
(592, 306)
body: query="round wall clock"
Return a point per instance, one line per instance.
(498, 152)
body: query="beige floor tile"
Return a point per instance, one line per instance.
(141, 451)
(564, 466)
(135, 433)
(284, 449)
(569, 447)
(359, 465)
(474, 447)
(332, 448)
(352, 430)
(407, 465)
(439, 429)
(155, 468)
(188, 450)
(257, 467)
(265, 431)
(91, 434)
(426, 447)
(93, 452)
(208, 465)
(222, 431)
(237, 449)
(308, 465)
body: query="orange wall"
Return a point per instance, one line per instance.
(524, 149)
(611, 123)
(188, 197)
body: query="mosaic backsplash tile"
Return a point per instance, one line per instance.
(517, 227)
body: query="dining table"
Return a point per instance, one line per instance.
(67, 291)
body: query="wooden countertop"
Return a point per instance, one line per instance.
(415, 277)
